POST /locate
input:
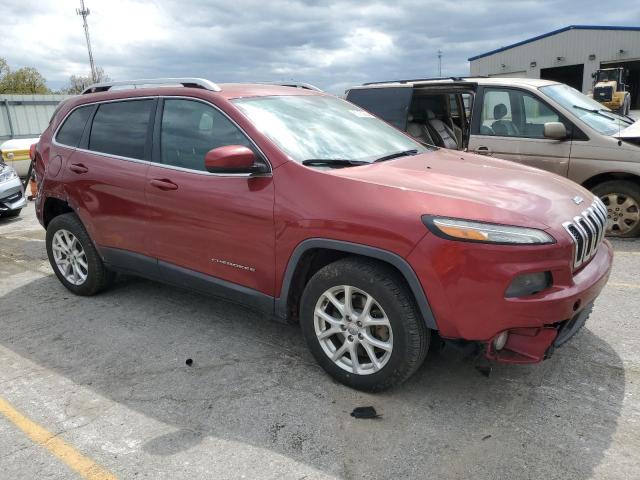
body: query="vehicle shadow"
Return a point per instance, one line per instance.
(252, 381)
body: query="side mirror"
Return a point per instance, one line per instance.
(555, 130)
(232, 159)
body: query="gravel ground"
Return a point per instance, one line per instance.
(107, 375)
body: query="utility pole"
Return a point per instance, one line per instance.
(82, 11)
(439, 63)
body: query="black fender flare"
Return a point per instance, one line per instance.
(358, 249)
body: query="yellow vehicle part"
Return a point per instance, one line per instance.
(616, 102)
(15, 155)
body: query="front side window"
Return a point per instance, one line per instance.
(514, 113)
(190, 129)
(120, 128)
(71, 131)
(323, 127)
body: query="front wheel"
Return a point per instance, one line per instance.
(361, 324)
(622, 199)
(74, 259)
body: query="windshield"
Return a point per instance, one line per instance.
(323, 127)
(600, 118)
(607, 75)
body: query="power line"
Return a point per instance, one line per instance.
(82, 11)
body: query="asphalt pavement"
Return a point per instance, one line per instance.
(100, 388)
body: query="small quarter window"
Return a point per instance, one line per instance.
(71, 131)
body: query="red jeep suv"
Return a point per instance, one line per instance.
(306, 207)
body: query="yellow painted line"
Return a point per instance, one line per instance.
(86, 467)
(626, 285)
(626, 253)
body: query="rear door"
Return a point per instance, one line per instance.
(509, 123)
(105, 176)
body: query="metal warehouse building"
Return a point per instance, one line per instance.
(569, 55)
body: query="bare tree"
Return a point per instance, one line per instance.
(77, 83)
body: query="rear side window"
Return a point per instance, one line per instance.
(389, 103)
(120, 128)
(71, 131)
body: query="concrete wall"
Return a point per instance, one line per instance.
(575, 46)
(23, 116)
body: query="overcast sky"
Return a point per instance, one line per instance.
(333, 44)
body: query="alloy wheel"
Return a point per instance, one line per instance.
(623, 213)
(353, 330)
(70, 257)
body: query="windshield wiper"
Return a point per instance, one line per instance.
(594, 110)
(337, 162)
(404, 153)
(624, 118)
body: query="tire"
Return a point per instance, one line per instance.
(627, 105)
(624, 196)
(96, 276)
(392, 302)
(11, 214)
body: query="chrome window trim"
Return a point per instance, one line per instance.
(164, 165)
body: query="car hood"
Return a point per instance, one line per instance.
(463, 185)
(632, 131)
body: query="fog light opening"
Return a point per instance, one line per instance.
(500, 341)
(529, 284)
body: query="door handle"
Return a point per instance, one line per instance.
(163, 184)
(483, 151)
(78, 168)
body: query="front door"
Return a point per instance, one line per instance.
(510, 125)
(217, 225)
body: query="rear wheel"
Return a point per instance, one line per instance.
(361, 324)
(622, 199)
(74, 259)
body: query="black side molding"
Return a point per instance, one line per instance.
(164, 272)
(358, 249)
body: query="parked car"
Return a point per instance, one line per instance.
(307, 208)
(15, 153)
(12, 199)
(538, 123)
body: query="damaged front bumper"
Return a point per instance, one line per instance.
(534, 344)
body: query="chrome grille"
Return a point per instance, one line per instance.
(587, 231)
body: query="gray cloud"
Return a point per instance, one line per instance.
(333, 44)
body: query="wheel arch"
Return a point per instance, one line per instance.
(592, 182)
(52, 208)
(313, 254)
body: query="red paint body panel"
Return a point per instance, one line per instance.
(109, 199)
(525, 345)
(210, 217)
(256, 223)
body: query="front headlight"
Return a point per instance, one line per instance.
(471, 231)
(7, 173)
